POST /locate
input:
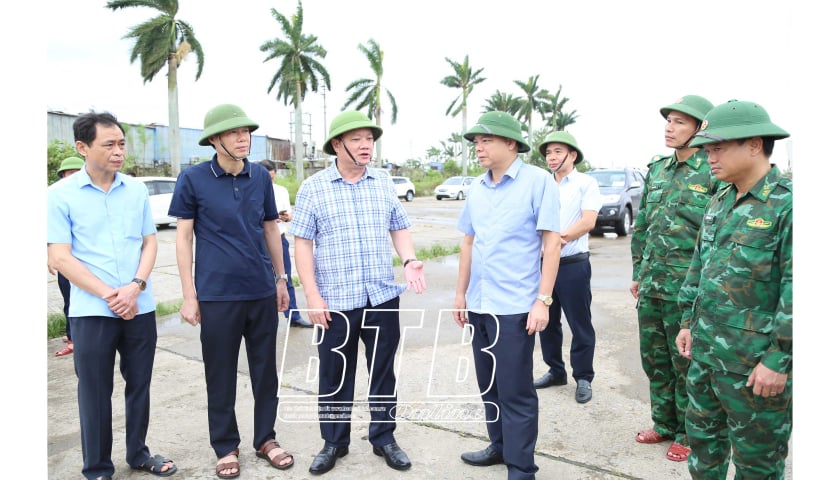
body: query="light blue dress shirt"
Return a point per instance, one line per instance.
(105, 231)
(506, 220)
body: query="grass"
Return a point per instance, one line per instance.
(434, 251)
(57, 324)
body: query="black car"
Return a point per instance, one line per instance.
(621, 192)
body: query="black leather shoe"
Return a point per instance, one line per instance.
(325, 460)
(583, 393)
(483, 458)
(299, 322)
(549, 379)
(394, 456)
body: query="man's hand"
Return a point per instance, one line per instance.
(766, 382)
(123, 300)
(684, 343)
(634, 289)
(537, 318)
(190, 311)
(414, 276)
(282, 297)
(460, 312)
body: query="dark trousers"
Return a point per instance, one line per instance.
(64, 288)
(223, 326)
(290, 286)
(572, 294)
(379, 331)
(96, 343)
(505, 378)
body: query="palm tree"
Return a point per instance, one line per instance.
(297, 72)
(553, 109)
(530, 102)
(368, 92)
(466, 80)
(159, 41)
(503, 102)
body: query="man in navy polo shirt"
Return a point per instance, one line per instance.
(228, 205)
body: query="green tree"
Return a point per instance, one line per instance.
(503, 102)
(530, 102)
(299, 70)
(163, 41)
(553, 110)
(57, 151)
(465, 80)
(367, 92)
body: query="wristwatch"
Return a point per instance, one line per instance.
(141, 282)
(546, 299)
(283, 277)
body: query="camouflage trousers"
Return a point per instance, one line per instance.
(723, 415)
(659, 323)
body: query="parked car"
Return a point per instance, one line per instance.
(160, 196)
(621, 192)
(454, 187)
(404, 187)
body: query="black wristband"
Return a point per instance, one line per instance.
(405, 264)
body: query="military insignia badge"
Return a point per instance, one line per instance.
(759, 223)
(698, 188)
(704, 124)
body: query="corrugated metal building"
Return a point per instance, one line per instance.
(148, 145)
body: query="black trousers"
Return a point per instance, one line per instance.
(380, 332)
(573, 295)
(64, 288)
(96, 343)
(223, 326)
(506, 382)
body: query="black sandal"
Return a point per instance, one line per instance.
(155, 464)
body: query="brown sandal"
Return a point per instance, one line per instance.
(270, 445)
(228, 466)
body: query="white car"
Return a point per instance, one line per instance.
(160, 196)
(454, 187)
(404, 187)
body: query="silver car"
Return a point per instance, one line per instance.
(454, 187)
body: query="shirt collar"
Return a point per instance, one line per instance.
(512, 172)
(218, 171)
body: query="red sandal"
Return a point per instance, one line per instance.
(677, 452)
(67, 350)
(650, 436)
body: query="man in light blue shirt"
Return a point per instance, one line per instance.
(101, 236)
(346, 218)
(503, 289)
(580, 201)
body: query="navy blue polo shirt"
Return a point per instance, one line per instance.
(228, 211)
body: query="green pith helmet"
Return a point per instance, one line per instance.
(347, 121)
(692, 105)
(500, 124)
(222, 118)
(735, 120)
(71, 163)
(561, 137)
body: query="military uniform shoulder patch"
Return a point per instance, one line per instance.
(759, 223)
(698, 188)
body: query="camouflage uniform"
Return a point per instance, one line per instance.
(738, 307)
(670, 213)
(738, 301)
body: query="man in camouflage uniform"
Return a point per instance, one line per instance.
(737, 325)
(676, 191)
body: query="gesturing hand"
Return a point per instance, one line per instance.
(414, 276)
